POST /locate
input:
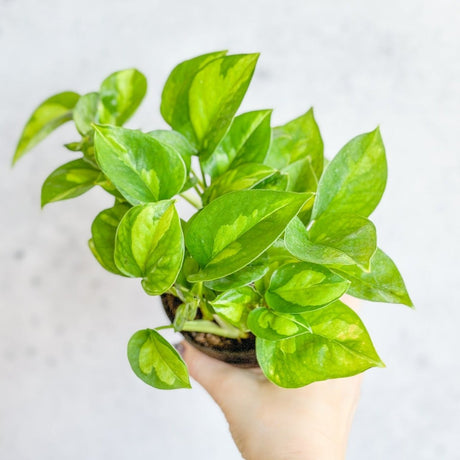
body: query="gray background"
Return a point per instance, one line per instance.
(66, 390)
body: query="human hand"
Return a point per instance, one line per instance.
(272, 423)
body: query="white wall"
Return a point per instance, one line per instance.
(66, 390)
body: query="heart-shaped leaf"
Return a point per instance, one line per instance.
(121, 93)
(69, 181)
(333, 239)
(234, 305)
(382, 283)
(247, 141)
(156, 362)
(175, 96)
(337, 346)
(299, 287)
(86, 112)
(215, 94)
(142, 168)
(149, 244)
(355, 179)
(224, 242)
(48, 116)
(103, 231)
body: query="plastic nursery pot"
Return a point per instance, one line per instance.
(239, 352)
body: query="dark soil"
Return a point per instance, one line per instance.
(240, 352)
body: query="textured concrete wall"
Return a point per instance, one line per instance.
(66, 390)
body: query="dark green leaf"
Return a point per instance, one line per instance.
(243, 177)
(156, 362)
(121, 94)
(69, 181)
(299, 287)
(175, 96)
(297, 140)
(355, 179)
(215, 95)
(333, 239)
(338, 346)
(85, 113)
(247, 141)
(224, 242)
(48, 116)
(383, 283)
(234, 305)
(149, 244)
(142, 168)
(103, 231)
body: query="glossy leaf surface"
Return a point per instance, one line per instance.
(103, 231)
(299, 287)
(333, 239)
(69, 181)
(175, 96)
(272, 325)
(355, 179)
(299, 139)
(121, 93)
(142, 168)
(85, 112)
(247, 141)
(149, 244)
(48, 116)
(338, 346)
(215, 95)
(234, 305)
(383, 283)
(225, 242)
(155, 361)
(243, 177)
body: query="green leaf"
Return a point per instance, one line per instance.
(234, 305)
(149, 244)
(177, 142)
(272, 325)
(247, 141)
(297, 140)
(103, 231)
(156, 362)
(299, 287)
(383, 283)
(85, 113)
(333, 239)
(48, 116)
(224, 242)
(69, 181)
(252, 272)
(215, 95)
(301, 176)
(175, 96)
(355, 179)
(142, 168)
(243, 177)
(121, 94)
(278, 181)
(338, 346)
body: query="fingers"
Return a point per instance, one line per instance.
(224, 382)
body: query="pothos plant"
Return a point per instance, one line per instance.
(278, 237)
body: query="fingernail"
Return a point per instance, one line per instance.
(180, 348)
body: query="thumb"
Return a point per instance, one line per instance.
(224, 382)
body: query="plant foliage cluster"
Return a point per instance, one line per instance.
(279, 234)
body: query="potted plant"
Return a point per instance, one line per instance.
(279, 235)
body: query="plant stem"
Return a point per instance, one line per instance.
(192, 200)
(201, 325)
(159, 328)
(204, 176)
(200, 182)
